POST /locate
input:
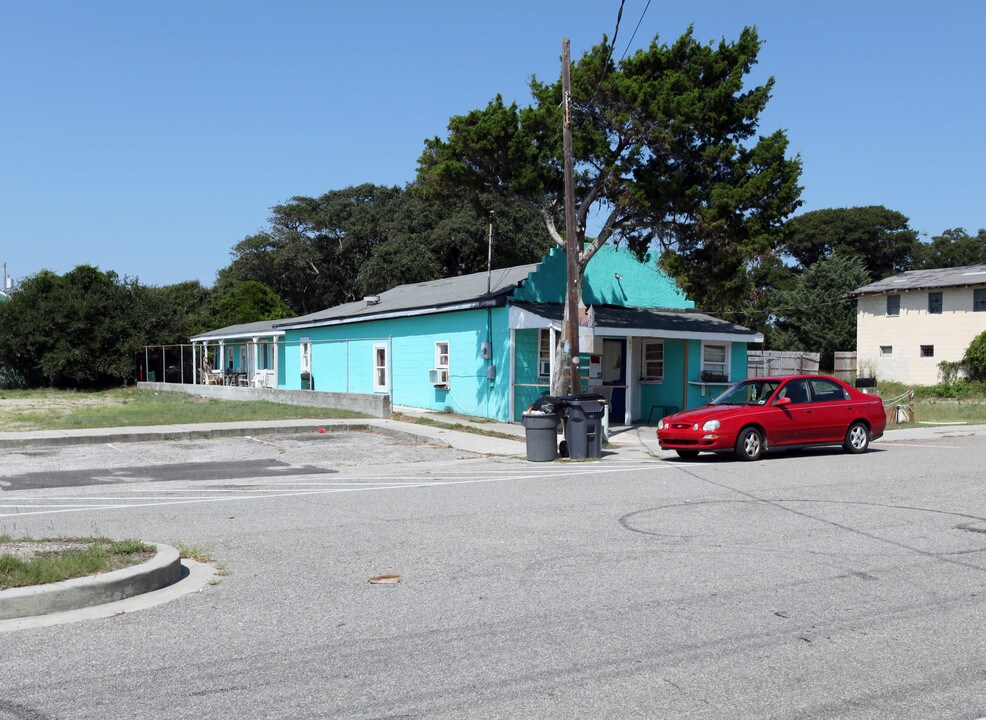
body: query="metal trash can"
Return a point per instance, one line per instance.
(584, 415)
(541, 433)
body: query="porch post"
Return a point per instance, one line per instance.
(513, 377)
(195, 369)
(274, 361)
(256, 358)
(684, 380)
(222, 360)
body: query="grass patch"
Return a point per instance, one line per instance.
(58, 559)
(954, 402)
(67, 410)
(193, 552)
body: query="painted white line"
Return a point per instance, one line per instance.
(56, 510)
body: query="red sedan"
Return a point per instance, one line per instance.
(755, 415)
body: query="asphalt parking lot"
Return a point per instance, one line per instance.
(807, 585)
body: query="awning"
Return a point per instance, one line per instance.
(614, 321)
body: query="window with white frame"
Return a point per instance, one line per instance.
(380, 368)
(715, 359)
(441, 354)
(886, 351)
(306, 355)
(652, 361)
(544, 353)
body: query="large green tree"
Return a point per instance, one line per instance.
(319, 252)
(953, 248)
(78, 330)
(666, 154)
(815, 314)
(245, 302)
(880, 237)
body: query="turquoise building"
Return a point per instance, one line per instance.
(483, 344)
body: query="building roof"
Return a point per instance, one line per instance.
(926, 279)
(433, 295)
(661, 323)
(263, 327)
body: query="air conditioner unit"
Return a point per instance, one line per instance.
(544, 368)
(438, 377)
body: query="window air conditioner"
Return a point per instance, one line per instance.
(438, 377)
(544, 368)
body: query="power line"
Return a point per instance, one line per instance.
(612, 46)
(634, 30)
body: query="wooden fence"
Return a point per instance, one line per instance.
(761, 363)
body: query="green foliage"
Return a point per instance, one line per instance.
(174, 313)
(953, 248)
(975, 357)
(320, 252)
(665, 152)
(815, 314)
(881, 238)
(949, 370)
(246, 302)
(78, 330)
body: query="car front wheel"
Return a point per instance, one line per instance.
(749, 444)
(857, 438)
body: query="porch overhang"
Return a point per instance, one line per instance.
(613, 321)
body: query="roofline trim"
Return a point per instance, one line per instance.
(236, 336)
(350, 320)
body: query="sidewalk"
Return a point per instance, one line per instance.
(627, 443)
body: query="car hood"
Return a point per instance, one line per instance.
(700, 415)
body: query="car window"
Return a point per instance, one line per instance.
(796, 390)
(750, 392)
(827, 391)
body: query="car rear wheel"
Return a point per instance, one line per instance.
(857, 438)
(687, 454)
(749, 444)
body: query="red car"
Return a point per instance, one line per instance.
(755, 415)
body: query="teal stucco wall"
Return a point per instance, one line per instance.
(343, 360)
(641, 284)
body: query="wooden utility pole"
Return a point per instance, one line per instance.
(571, 245)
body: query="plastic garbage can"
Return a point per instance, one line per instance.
(584, 415)
(541, 433)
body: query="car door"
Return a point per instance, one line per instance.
(793, 421)
(831, 409)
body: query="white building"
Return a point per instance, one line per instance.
(908, 323)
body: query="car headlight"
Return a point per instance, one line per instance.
(710, 425)
(660, 424)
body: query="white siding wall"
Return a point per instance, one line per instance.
(950, 333)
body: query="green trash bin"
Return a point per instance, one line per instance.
(541, 433)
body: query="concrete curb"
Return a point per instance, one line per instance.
(160, 571)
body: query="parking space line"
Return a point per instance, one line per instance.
(121, 503)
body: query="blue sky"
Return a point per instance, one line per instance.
(149, 138)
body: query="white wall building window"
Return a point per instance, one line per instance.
(652, 361)
(886, 351)
(715, 358)
(306, 355)
(544, 353)
(441, 354)
(380, 368)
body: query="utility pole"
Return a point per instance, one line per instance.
(571, 246)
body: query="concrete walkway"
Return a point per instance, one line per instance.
(631, 442)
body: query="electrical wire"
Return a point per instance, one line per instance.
(634, 31)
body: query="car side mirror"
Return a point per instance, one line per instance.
(780, 402)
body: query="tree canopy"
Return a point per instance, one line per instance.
(814, 314)
(666, 154)
(320, 252)
(953, 248)
(880, 237)
(78, 330)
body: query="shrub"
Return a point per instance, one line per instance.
(975, 357)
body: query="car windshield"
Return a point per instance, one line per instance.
(748, 392)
